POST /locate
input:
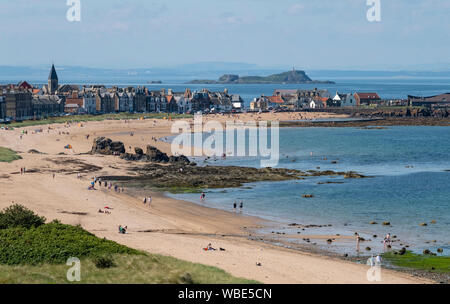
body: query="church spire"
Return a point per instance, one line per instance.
(53, 75)
(52, 80)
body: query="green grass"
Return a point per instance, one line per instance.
(174, 189)
(35, 253)
(84, 118)
(181, 190)
(129, 269)
(53, 243)
(438, 264)
(8, 155)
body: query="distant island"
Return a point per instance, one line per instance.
(291, 77)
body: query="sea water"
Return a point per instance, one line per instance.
(409, 185)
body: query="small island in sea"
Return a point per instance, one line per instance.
(290, 77)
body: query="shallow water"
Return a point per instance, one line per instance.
(409, 185)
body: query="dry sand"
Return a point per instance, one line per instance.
(169, 227)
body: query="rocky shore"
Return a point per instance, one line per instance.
(367, 123)
(172, 172)
(379, 117)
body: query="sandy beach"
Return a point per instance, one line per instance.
(169, 227)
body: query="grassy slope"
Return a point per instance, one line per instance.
(441, 264)
(38, 255)
(130, 269)
(53, 243)
(7, 155)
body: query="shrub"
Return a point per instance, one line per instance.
(103, 262)
(53, 243)
(19, 216)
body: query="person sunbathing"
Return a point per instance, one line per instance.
(122, 230)
(209, 247)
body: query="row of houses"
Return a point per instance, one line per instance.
(23, 101)
(140, 99)
(432, 102)
(312, 99)
(22, 104)
(321, 99)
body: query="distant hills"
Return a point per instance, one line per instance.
(291, 77)
(180, 74)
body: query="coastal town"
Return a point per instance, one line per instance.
(24, 101)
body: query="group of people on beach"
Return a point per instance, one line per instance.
(387, 241)
(109, 185)
(101, 211)
(241, 206)
(23, 170)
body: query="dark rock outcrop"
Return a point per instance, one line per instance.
(138, 151)
(106, 146)
(131, 157)
(181, 160)
(402, 113)
(34, 151)
(155, 155)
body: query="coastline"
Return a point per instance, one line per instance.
(175, 228)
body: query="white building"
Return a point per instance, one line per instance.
(237, 102)
(344, 100)
(312, 104)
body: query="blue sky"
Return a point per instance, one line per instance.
(310, 34)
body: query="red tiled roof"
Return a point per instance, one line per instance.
(368, 95)
(322, 99)
(276, 99)
(25, 85)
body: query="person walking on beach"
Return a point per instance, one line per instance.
(150, 200)
(378, 260)
(202, 196)
(387, 240)
(358, 241)
(145, 200)
(234, 206)
(241, 205)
